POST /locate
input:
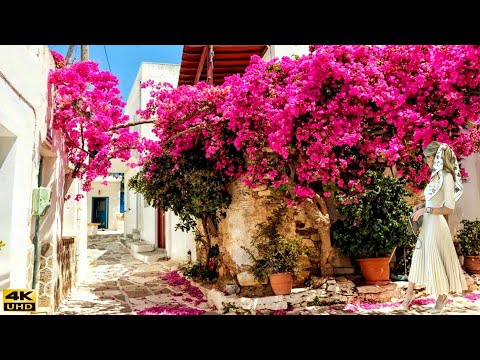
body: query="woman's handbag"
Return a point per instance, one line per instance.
(415, 225)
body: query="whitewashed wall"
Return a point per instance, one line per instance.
(468, 206)
(278, 51)
(133, 104)
(130, 214)
(178, 243)
(23, 102)
(148, 232)
(138, 215)
(74, 224)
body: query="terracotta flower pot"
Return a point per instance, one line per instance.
(376, 271)
(281, 283)
(472, 264)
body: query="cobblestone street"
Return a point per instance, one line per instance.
(117, 283)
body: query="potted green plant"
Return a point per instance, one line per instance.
(277, 257)
(231, 286)
(468, 237)
(373, 225)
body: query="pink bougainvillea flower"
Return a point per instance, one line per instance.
(170, 310)
(174, 278)
(361, 305)
(472, 297)
(289, 123)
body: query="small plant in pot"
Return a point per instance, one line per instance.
(231, 286)
(373, 225)
(277, 257)
(468, 237)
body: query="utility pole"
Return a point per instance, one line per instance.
(69, 53)
(210, 66)
(84, 52)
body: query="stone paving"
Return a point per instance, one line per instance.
(119, 284)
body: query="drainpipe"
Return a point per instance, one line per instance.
(36, 255)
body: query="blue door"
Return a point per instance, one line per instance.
(100, 211)
(122, 202)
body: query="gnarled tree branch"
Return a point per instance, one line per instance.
(151, 121)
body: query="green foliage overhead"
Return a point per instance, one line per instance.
(469, 237)
(376, 223)
(188, 186)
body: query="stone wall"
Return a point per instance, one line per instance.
(47, 274)
(250, 207)
(323, 291)
(67, 275)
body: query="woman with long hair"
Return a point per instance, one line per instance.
(435, 262)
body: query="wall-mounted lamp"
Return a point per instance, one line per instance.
(99, 191)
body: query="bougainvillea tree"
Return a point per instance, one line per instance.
(189, 186)
(88, 107)
(310, 126)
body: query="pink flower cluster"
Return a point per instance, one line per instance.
(173, 278)
(170, 310)
(319, 120)
(359, 305)
(472, 297)
(326, 117)
(88, 107)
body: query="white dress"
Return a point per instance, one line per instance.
(435, 262)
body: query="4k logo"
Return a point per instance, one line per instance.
(19, 300)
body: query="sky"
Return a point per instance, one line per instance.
(123, 61)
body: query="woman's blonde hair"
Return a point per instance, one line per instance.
(448, 164)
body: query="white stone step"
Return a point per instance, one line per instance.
(151, 256)
(141, 246)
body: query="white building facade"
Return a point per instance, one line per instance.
(32, 155)
(154, 226)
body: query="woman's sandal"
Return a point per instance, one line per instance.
(439, 305)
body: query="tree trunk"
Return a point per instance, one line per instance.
(207, 243)
(317, 211)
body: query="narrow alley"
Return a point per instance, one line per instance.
(118, 284)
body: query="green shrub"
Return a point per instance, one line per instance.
(375, 223)
(189, 186)
(468, 237)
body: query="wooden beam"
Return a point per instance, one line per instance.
(223, 68)
(227, 62)
(200, 64)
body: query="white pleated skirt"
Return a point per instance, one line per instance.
(435, 262)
